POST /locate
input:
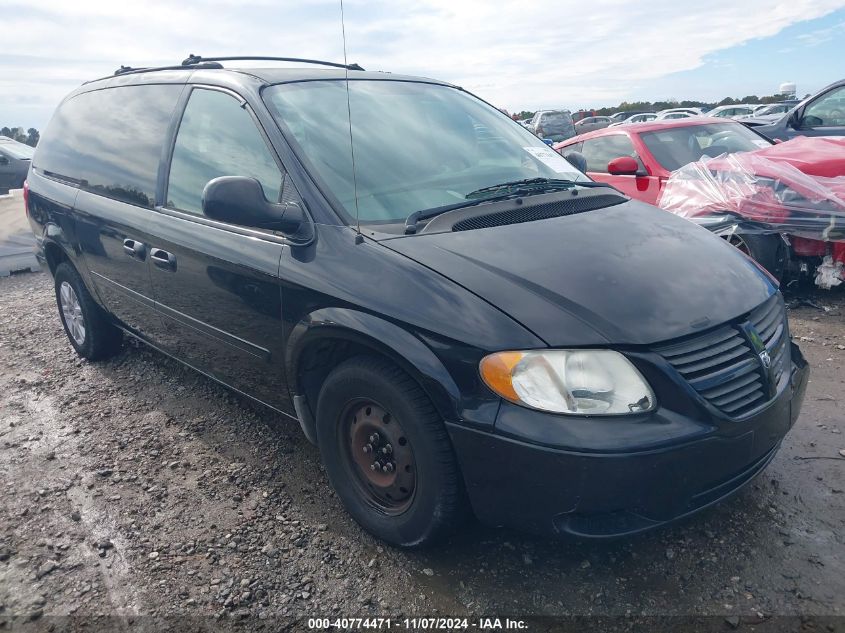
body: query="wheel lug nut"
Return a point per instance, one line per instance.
(368, 448)
(387, 468)
(374, 438)
(374, 466)
(387, 450)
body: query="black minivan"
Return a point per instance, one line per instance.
(459, 319)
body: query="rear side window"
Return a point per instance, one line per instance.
(110, 141)
(217, 137)
(600, 151)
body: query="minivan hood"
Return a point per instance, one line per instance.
(629, 274)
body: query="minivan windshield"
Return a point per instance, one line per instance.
(417, 146)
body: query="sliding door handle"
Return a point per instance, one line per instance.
(163, 259)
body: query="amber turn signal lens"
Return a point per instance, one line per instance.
(496, 371)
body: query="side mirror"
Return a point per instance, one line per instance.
(577, 160)
(795, 119)
(240, 200)
(623, 166)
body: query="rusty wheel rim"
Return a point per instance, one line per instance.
(379, 456)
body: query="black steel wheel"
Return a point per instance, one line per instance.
(387, 453)
(379, 456)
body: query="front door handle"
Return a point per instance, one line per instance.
(135, 249)
(163, 259)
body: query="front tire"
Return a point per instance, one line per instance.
(387, 453)
(86, 324)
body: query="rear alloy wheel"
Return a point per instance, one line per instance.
(387, 453)
(87, 326)
(72, 313)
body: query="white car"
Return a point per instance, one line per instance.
(732, 111)
(688, 111)
(637, 118)
(675, 114)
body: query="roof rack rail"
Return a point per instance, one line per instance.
(192, 60)
(127, 70)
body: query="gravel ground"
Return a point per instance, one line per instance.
(138, 487)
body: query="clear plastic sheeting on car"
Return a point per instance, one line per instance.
(764, 191)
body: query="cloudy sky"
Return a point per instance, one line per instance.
(519, 55)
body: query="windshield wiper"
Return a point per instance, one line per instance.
(501, 191)
(425, 214)
(533, 185)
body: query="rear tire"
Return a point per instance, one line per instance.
(406, 489)
(86, 324)
(768, 250)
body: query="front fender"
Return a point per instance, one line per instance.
(394, 342)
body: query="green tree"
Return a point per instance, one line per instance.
(32, 137)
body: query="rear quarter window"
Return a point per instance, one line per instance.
(110, 141)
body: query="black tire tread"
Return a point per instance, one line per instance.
(455, 506)
(103, 339)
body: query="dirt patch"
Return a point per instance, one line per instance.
(138, 487)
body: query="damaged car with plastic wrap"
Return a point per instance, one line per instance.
(784, 205)
(458, 318)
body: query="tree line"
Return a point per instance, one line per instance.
(29, 137)
(656, 106)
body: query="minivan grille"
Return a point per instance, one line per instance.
(544, 211)
(725, 368)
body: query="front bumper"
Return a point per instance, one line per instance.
(609, 493)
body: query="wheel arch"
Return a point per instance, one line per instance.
(329, 336)
(54, 254)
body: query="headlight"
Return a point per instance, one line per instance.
(580, 382)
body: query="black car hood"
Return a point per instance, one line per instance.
(626, 274)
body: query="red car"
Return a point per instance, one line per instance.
(638, 159)
(785, 231)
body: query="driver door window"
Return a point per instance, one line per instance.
(827, 111)
(218, 137)
(600, 151)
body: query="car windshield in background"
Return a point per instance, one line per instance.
(678, 146)
(18, 150)
(417, 146)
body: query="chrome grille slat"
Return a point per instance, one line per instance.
(724, 367)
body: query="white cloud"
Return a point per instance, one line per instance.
(544, 53)
(820, 36)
